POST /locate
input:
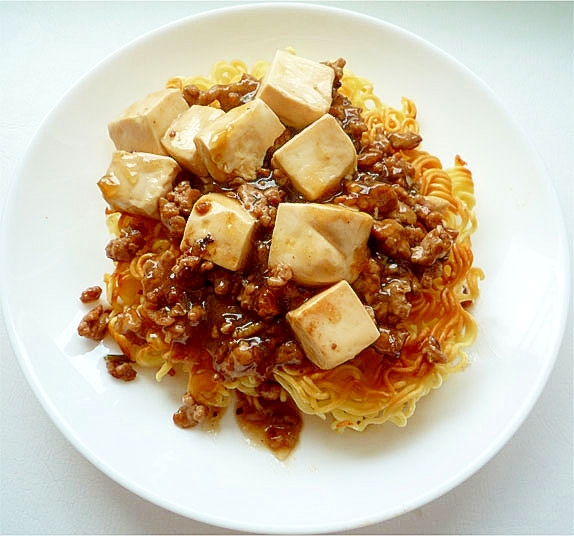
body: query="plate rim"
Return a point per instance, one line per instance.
(21, 352)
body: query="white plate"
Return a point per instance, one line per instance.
(53, 237)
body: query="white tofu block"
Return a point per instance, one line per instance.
(316, 159)
(227, 224)
(321, 243)
(134, 182)
(235, 144)
(333, 326)
(142, 124)
(178, 138)
(299, 90)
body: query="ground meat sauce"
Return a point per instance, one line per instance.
(120, 367)
(91, 294)
(229, 96)
(270, 421)
(94, 325)
(238, 318)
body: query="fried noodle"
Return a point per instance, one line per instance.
(369, 389)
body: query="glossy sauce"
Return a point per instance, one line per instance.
(275, 424)
(232, 338)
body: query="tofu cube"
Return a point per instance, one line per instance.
(142, 124)
(134, 182)
(228, 227)
(298, 90)
(178, 138)
(235, 144)
(333, 326)
(316, 159)
(321, 243)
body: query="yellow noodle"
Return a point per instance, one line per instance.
(440, 315)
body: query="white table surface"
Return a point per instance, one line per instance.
(523, 51)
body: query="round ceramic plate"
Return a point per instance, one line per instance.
(54, 236)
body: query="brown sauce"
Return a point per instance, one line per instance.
(272, 423)
(230, 325)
